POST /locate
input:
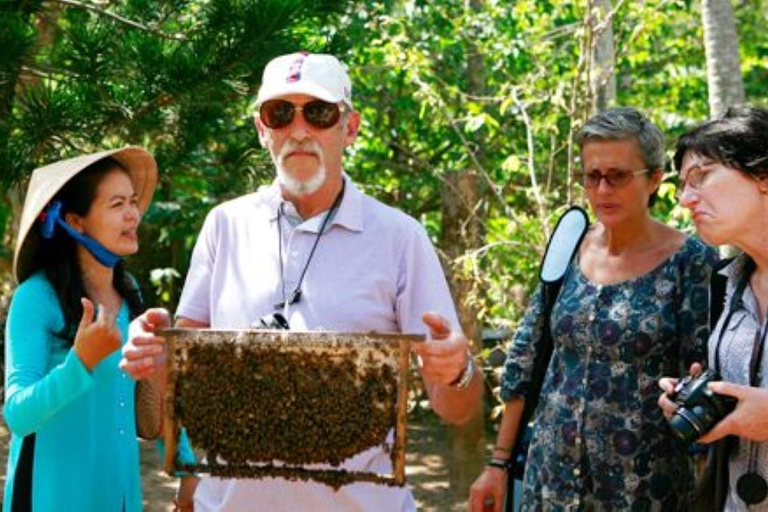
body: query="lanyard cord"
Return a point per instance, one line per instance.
(759, 344)
(296, 295)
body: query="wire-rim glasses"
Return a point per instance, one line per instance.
(695, 178)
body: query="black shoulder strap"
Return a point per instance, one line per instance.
(561, 248)
(717, 284)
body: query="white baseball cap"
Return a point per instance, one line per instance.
(314, 74)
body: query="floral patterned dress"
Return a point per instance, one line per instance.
(600, 441)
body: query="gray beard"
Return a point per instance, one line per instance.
(301, 188)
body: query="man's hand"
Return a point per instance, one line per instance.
(443, 357)
(145, 352)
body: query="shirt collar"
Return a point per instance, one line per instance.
(734, 269)
(348, 215)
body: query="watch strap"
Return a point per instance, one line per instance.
(465, 378)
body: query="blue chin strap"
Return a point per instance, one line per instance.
(52, 217)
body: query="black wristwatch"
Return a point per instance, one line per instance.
(496, 462)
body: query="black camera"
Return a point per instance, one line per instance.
(699, 409)
(274, 321)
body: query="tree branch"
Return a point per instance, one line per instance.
(42, 71)
(120, 19)
(531, 164)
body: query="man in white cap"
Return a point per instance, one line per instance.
(316, 253)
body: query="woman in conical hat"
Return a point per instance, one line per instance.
(69, 408)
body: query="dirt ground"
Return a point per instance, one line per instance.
(426, 469)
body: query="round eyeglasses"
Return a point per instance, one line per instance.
(695, 179)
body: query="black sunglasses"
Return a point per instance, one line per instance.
(278, 114)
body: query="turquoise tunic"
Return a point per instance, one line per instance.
(86, 455)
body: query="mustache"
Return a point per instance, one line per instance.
(290, 146)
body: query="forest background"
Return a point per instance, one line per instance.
(469, 109)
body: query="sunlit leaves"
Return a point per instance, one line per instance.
(411, 68)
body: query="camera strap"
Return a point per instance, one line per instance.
(758, 346)
(295, 296)
(561, 249)
(751, 486)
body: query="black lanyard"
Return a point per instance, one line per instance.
(751, 487)
(759, 344)
(296, 295)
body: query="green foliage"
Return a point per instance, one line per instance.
(424, 117)
(752, 25)
(494, 86)
(174, 76)
(427, 113)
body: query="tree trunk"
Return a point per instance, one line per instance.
(721, 44)
(461, 231)
(462, 228)
(603, 56)
(14, 200)
(724, 82)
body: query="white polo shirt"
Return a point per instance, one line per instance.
(374, 269)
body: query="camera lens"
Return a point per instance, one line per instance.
(684, 427)
(691, 424)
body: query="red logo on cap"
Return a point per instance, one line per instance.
(294, 73)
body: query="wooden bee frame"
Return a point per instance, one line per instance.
(251, 398)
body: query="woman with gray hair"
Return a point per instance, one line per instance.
(633, 306)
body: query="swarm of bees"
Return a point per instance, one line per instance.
(271, 403)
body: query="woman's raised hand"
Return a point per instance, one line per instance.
(97, 337)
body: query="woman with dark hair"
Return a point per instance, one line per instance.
(632, 307)
(69, 408)
(723, 166)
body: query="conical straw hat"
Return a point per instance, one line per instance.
(47, 181)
